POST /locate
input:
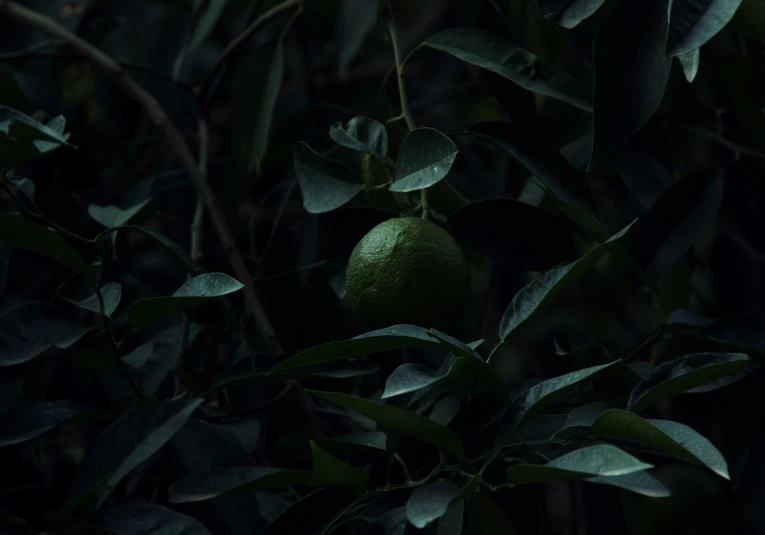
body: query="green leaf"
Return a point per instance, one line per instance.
(430, 502)
(329, 470)
(638, 482)
(325, 184)
(128, 442)
(425, 157)
(598, 460)
(362, 134)
(682, 374)
(666, 436)
(406, 422)
(540, 293)
(593, 354)
(22, 138)
(444, 410)
(315, 513)
(204, 19)
(750, 19)
(189, 264)
(674, 223)
(220, 481)
(536, 399)
(353, 24)
(27, 420)
(694, 22)
(195, 291)
(567, 13)
(411, 377)
(44, 241)
(690, 64)
(146, 519)
(452, 520)
(631, 72)
(29, 328)
(111, 293)
(395, 337)
(28, 188)
(512, 62)
(295, 447)
(514, 234)
(492, 518)
(114, 216)
(394, 522)
(743, 330)
(645, 176)
(254, 89)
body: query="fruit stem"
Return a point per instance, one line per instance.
(425, 203)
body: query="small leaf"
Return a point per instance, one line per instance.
(631, 72)
(395, 337)
(354, 22)
(424, 159)
(254, 89)
(514, 234)
(362, 134)
(401, 420)
(411, 377)
(111, 293)
(113, 216)
(195, 291)
(512, 62)
(325, 184)
(329, 470)
(598, 460)
(638, 482)
(694, 22)
(42, 240)
(682, 374)
(690, 64)
(128, 442)
(666, 436)
(567, 13)
(146, 519)
(27, 420)
(540, 293)
(315, 513)
(22, 138)
(220, 481)
(430, 502)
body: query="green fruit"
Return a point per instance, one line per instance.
(408, 270)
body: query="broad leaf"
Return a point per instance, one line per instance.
(424, 159)
(631, 72)
(598, 460)
(315, 513)
(430, 502)
(400, 420)
(444, 410)
(362, 134)
(27, 329)
(452, 521)
(254, 89)
(128, 442)
(512, 62)
(27, 420)
(694, 22)
(195, 291)
(514, 234)
(325, 184)
(540, 293)
(638, 482)
(221, 481)
(111, 293)
(329, 470)
(567, 13)
(682, 374)
(146, 519)
(44, 241)
(666, 436)
(394, 522)
(354, 22)
(744, 330)
(690, 63)
(114, 216)
(411, 377)
(395, 337)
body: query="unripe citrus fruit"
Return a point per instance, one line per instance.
(408, 270)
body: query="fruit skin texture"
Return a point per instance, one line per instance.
(408, 270)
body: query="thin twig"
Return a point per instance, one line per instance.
(159, 117)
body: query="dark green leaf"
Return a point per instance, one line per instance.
(750, 19)
(128, 442)
(313, 514)
(401, 420)
(598, 460)
(362, 134)
(254, 89)
(329, 470)
(424, 159)
(540, 293)
(21, 137)
(189, 264)
(690, 64)
(585, 415)
(682, 374)
(567, 13)
(430, 502)
(147, 519)
(28, 188)
(593, 354)
(393, 522)
(744, 330)
(514, 234)
(666, 436)
(694, 22)
(27, 329)
(114, 216)
(451, 522)
(111, 293)
(493, 519)
(297, 446)
(645, 176)
(638, 482)
(444, 410)
(195, 291)
(326, 184)
(27, 420)
(354, 22)
(205, 17)
(411, 377)
(512, 62)
(44, 241)
(631, 72)
(395, 337)
(220, 481)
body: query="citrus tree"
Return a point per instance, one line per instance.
(381, 267)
